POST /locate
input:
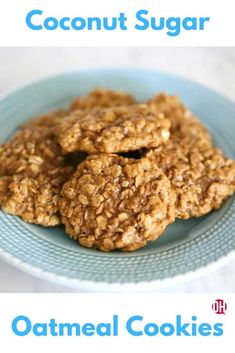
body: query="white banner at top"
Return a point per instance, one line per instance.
(117, 23)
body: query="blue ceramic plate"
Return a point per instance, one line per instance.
(185, 247)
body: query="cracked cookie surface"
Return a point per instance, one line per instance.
(113, 202)
(111, 130)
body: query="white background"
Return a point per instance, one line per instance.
(213, 67)
(219, 31)
(100, 308)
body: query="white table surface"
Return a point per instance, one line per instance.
(214, 67)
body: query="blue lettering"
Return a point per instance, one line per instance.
(194, 326)
(139, 17)
(151, 329)
(218, 329)
(167, 329)
(29, 20)
(155, 26)
(122, 19)
(115, 325)
(189, 23)
(112, 26)
(96, 20)
(202, 21)
(129, 325)
(53, 325)
(204, 329)
(26, 321)
(70, 328)
(51, 23)
(40, 329)
(181, 329)
(173, 24)
(103, 329)
(62, 23)
(88, 329)
(78, 23)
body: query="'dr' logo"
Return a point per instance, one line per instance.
(219, 306)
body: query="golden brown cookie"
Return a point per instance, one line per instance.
(170, 106)
(35, 199)
(113, 202)
(4, 183)
(200, 175)
(110, 130)
(33, 170)
(49, 120)
(30, 151)
(102, 97)
(185, 127)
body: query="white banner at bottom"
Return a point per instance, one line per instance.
(117, 322)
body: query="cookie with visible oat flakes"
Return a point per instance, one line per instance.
(112, 130)
(201, 175)
(113, 202)
(35, 199)
(30, 151)
(171, 106)
(33, 170)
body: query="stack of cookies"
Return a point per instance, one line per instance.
(113, 171)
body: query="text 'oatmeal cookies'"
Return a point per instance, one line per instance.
(113, 202)
(112, 130)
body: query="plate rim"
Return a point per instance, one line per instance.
(128, 69)
(141, 286)
(115, 286)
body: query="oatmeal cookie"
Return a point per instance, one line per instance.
(30, 151)
(32, 173)
(35, 199)
(113, 202)
(183, 122)
(102, 98)
(4, 184)
(191, 131)
(110, 130)
(200, 174)
(49, 120)
(170, 106)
